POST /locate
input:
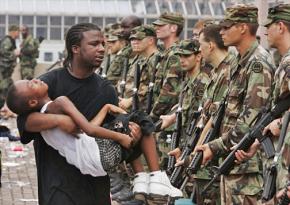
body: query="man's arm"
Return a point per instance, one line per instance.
(63, 104)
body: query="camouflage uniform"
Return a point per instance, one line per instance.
(146, 68)
(29, 53)
(169, 73)
(282, 88)
(214, 94)
(7, 64)
(249, 91)
(114, 74)
(195, 84)
(167, 84)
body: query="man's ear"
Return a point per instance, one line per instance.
(75, 49)
(173, 28)
(32, 103)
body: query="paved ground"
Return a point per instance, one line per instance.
(19, 184)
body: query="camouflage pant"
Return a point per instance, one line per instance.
(163, 147)
(241, 189)
(4, 85)
(27, 72)
(211, 197)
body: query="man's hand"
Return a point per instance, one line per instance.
(243, 156)
(167, 120)
(125, 140)
(135, 132)
(125, 103)
(273, 127)
(207, 153)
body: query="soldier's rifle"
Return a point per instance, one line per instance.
(137, 74)
(255, 133)
(124, 76)
(151, 85)
(193, 132)
(212, 133)
(175, 137)
(271, 173)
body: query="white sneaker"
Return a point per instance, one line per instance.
(140, 185)
(159, 184)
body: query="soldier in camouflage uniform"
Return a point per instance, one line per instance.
(168, 75)
(143, 42)
(8, 55)
(116, 68)
(249, 91)
(196, 81)
(279, 20)
(28, 54)
(214, 53)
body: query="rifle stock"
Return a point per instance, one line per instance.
(249, 138)
(192, 133)
(175, 138)
(196, 161)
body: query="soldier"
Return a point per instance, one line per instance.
(8, 55)
(28, 54)
(115, 43)
(190, 60)
(116, 67)
(278, 34)
(169, 74)
(143, 43)
(249, 91)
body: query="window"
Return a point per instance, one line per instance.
(98, 21)
(55, 33)
(69, 20)
(27, 20)
(41, 20)
(2, 19)
(41, 31)
(163, 6)
(150, 7)
(190, 7)
(55, 20)
(13, 20)
(177, 7)
(2, 31)
(83, 19)
(48, 56)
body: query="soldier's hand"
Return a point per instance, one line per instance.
(207, 153)
(17, 52)
(243, 156)
(167, 120)
(125, 103)
(273, 127)
(176, 153)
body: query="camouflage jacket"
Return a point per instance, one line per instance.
(29, 51)
(167, 83)
(249, 90)
(194, 90)
(114, 74)
(215, 92)
(218, 85)
(7, 56)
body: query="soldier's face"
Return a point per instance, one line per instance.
(188, 62)
(272, 34)
(204, 48)
(139, 46)
(114, 46)
(163, 32)
(91, 50)
(231, 35)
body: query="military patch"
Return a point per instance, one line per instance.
(257, 67)
(200, 92)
